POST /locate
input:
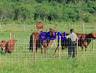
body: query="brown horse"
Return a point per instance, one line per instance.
(35, 41)
(8, 46)
(3, 45)
(83, 40)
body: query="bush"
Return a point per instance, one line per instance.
(62, 10)
(71, 13)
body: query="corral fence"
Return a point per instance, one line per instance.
(22, 35)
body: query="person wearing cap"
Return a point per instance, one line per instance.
(72, 48)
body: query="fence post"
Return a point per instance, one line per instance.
(83, 28)
(24, 27)
(92, 45)
(10, 35)
(77, 47)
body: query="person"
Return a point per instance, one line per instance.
(51, 36)
(43, 38)
(63, 40)
(59, 34)
(43, 41)
(72, 47)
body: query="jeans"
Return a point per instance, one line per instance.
(72, 50)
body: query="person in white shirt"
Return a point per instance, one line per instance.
(72, 49)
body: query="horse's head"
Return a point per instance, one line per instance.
(93, 35)
(39, 25)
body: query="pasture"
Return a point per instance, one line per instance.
(22, 60)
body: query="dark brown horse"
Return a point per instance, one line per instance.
(84, 40)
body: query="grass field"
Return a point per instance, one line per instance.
(21, 60)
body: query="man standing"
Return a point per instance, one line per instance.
(72, 41)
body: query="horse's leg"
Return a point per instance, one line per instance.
(41, 48)
(37, 45)
(2, 50)
(34, 44)
(62, 47)
(85, 48)
(56, 50)
(50, 43)
(44, 45)
(82, 47)
(44, 50)
(36, 49)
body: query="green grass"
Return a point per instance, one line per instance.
(22, 61)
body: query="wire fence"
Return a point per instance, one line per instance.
(22, 35)
(22, 51)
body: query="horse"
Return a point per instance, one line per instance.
(41, 40)
(83, 40)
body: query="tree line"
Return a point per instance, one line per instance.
(51, 10)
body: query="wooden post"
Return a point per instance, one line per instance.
(68, 26)
(24, 27)
(83, 28)
(77, 47)
(10, 35)
(92, 45)
(0, 28)
(13, 36)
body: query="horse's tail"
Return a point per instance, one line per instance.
(31, 42)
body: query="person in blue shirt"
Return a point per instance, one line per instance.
(51, 35)
(63, 40)
(58, 37)
(43, 36)
(63, 37)
(59, 34)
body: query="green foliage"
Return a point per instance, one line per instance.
(51, 10)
